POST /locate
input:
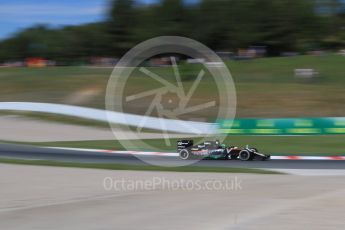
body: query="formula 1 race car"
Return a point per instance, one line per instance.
(215, 150)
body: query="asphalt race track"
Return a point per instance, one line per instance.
(35, 153)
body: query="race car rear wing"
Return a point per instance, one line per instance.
(182, 144)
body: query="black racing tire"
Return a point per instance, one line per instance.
(246, 155)
(185, 154)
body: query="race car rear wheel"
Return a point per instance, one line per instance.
(245, 155)
(184, 154)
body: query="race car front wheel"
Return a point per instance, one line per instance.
(245, 155)
(184, 154)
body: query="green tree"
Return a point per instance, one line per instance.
(121, 25)
(170, 18)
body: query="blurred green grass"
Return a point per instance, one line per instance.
(265, 87)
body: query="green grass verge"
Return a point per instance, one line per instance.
(136, 167)
(275, 145)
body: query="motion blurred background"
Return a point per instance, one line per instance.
(266, 44)
(286, 56)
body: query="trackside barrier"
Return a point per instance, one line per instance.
(178, 126)
(249, 126)
(283, 126)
